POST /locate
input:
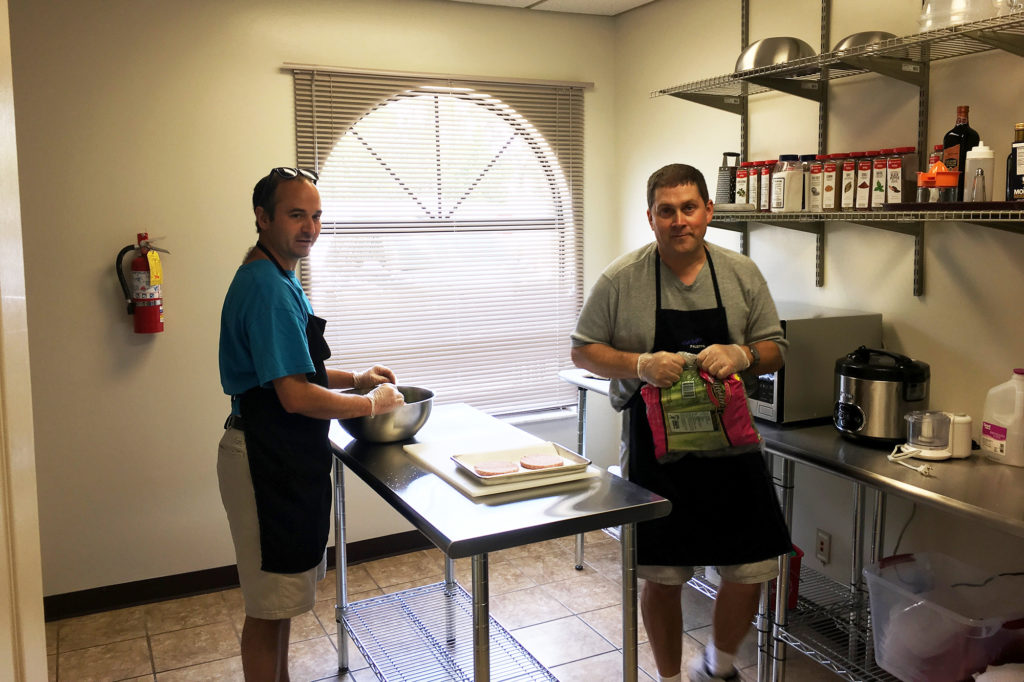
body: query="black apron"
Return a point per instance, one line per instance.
(290, 461)
(724, 509)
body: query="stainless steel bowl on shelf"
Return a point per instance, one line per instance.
(862, 39)
(396, 425)
(771, 51)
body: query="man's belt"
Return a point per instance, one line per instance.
(234, 421)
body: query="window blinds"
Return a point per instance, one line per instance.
(451, 248)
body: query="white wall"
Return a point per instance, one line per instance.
(967, 325)
(159, 117)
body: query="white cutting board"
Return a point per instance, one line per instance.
(437, 457)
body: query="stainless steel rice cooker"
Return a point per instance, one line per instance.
(874, 390)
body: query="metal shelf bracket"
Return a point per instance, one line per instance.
(904, 70)
(808, 89)
(815, 227)
(733, 105)
(913, 228)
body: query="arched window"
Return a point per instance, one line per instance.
(451, 242)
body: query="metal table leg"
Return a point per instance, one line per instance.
(481, 624)
(629, 625)
(878, 533)
(782, 583)
(340, 564)
(581, 444)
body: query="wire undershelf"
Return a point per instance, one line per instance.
(425, 634)
(831, 624)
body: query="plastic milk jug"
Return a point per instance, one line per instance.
(1002, 426)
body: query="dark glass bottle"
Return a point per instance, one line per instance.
(1015, 166)
(961, 139)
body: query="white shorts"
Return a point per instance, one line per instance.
(748, 574)
(270, 596)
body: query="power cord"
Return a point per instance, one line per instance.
(913, 510)
(904, 451)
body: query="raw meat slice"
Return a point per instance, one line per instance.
(495, 468)
(541, 461)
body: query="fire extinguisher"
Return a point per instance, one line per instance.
(145, 303)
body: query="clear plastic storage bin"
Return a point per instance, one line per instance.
(935, 619)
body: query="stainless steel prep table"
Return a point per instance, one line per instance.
(462, 526)
(831, 624)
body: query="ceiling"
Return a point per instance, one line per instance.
(605, 7)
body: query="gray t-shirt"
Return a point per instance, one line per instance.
(620, 309)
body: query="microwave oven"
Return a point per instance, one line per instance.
(805, 387)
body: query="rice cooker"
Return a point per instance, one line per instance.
(875, 389)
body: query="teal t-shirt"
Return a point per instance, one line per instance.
(262, 328)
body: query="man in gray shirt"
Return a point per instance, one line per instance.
(681, 294)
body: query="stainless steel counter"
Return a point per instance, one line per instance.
(464, 526)
(974, 488)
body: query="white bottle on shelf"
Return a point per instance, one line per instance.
(1002, 426)
(984, 158)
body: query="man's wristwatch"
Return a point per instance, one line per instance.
(755, 357)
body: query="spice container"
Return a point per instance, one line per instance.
(880, 178)
(813, 184)
(936, 155)
(741, 182)
(831, 177)
(765, 204)
(865, 169)
(754, 184)
(926, 190)
(805, 168)
(848, 183)
(787, 185)
(908, 173)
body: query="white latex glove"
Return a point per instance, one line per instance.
(723, 360)
(378, 374)
(384, 398)
(660, 369)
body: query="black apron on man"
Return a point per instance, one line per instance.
(724, 509)
(290, 461)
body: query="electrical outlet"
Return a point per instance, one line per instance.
(823, 546)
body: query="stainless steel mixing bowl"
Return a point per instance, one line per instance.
(770, 51)
(395, 425)
(861, 39)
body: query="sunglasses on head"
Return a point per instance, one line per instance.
(287, 172)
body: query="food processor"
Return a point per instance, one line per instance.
(936, 435)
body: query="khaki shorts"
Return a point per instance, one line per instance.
(748, 574)
(270, 596)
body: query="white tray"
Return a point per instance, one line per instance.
(438, 458)
(572, 463)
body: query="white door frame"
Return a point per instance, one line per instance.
(22, 631)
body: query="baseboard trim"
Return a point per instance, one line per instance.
(110, 597)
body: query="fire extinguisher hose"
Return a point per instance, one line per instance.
(122, 280)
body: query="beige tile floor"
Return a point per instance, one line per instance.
(535, 593)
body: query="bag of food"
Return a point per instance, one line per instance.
(699, 413)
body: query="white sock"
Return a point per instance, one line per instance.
(678, 677)
(719, 662)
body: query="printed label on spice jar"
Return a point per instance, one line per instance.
(766, 185)
(829, 181)
(894, 181)
(863, 196)
(878, 181)
(849, 183)
(815, 183)
(741, 186)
